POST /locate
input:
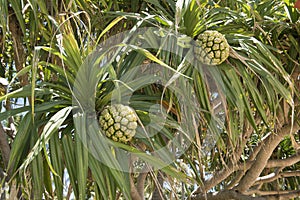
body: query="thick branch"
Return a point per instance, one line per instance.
(234, 195)
(289, 195)
(4, 146)
(263, 156)
(232, 167)
(266, 179)
(133, 190)
(289, 174)
(274, 176)
(219, 176)
(141, 181)
(19, 51)
(11, 123)
(2, 174)
(248, 130)
(227, 194)
(283, 162)
(243, 167)
(157, 194)
(276, 193)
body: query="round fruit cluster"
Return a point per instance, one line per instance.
(119, 122)
(211, 48)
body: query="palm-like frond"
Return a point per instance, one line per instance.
(79, 56)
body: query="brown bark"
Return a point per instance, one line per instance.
(133, 191)
(4, 146)
(234, 195)
(258, 161)
(157, 194)
(141, 181)
(274, 176)
(283, 162)
(19, 59)
(19, 50)
(227, 194)
(289, 195)
(263, 156)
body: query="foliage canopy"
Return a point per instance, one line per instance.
(229, 131)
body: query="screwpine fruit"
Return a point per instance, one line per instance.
(119, 122)
(211, 48)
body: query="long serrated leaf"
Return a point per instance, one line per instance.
(81, 154)
(20, 142)
(109, 26)
(69, 157)
(99, 175)
(152, 57)
(44, 107)
(36, 166)
(67, 74)
(25, 92)
(50, 128)
(57, 162)
(98, 145)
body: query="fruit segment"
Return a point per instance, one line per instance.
(119, 122)
(211, 48)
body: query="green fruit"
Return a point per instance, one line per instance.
(211, 48)
(119, 122)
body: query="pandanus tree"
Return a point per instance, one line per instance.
(149, 99)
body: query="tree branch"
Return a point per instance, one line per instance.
(11, 124)
(283, 162)
(245, 166)
(157, 194)
(19, 51)
(219, 176)
(4, 146)
(226, 194)
(275, 193)
(141, 180)
(289, 195)
(133, 190)
(263, 156)
(274, 176)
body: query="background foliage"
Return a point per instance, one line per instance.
(253, 154)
